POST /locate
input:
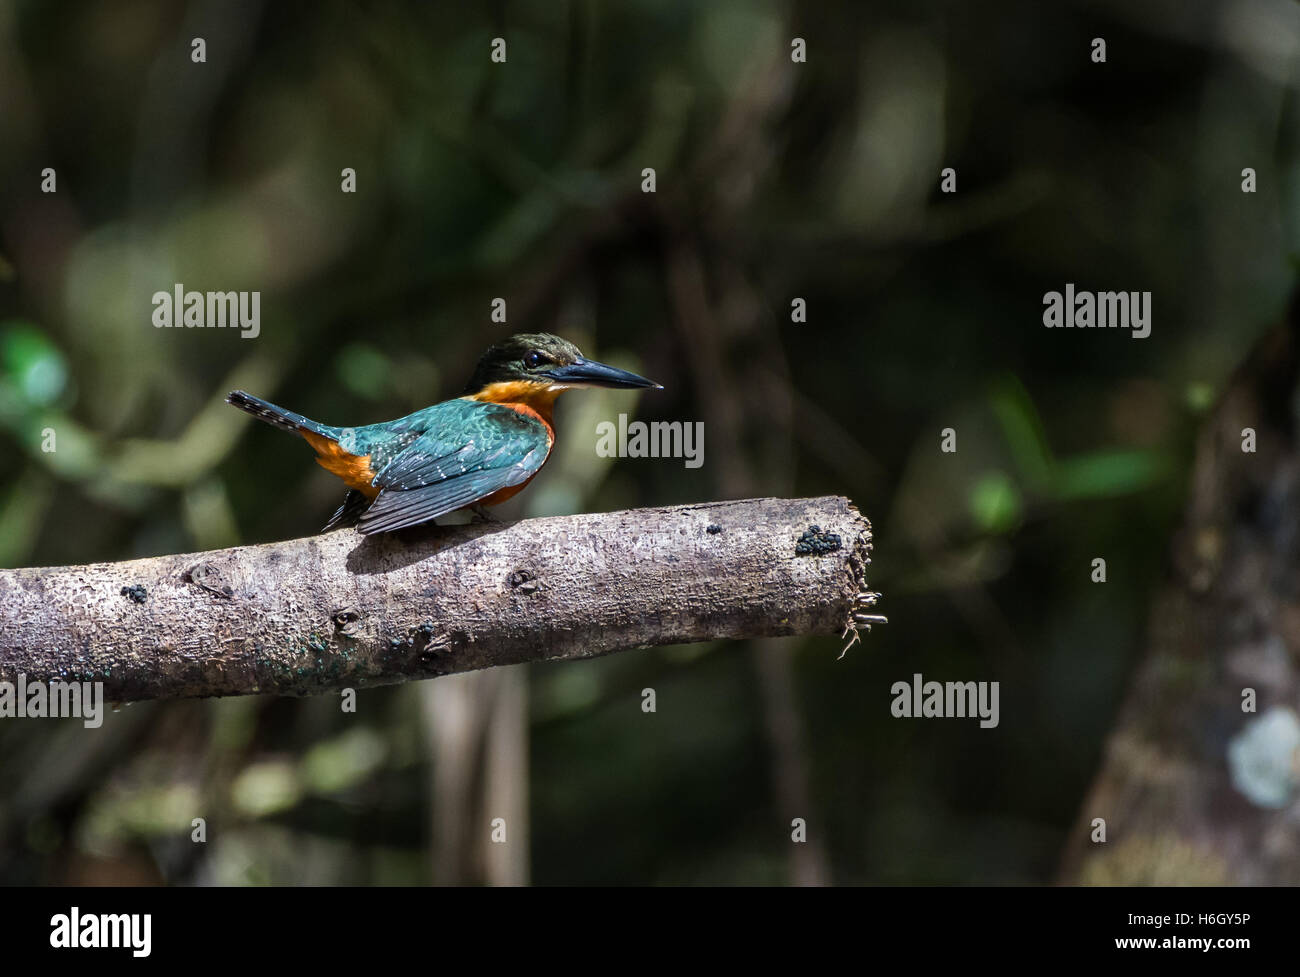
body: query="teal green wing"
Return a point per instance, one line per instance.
(467, 451)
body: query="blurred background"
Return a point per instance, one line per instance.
(775, 181)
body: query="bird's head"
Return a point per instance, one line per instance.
(545, 364)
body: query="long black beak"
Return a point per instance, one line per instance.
(589, 373)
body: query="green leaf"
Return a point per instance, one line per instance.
(995, 503)
(1023, 429)
(1108, 473)
(30, 365)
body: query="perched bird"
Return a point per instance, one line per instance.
(476, 450)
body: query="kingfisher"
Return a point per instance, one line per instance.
(476, 450)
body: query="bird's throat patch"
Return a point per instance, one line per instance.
(354, 470)
(524, 396)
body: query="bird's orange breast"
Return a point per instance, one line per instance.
(527, 397)
(354, 470)
(536, 400)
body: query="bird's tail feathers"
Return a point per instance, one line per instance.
(285, 420)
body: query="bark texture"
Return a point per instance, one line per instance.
(341, 610)
(1200, 783)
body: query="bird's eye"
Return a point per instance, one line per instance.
(535, 358)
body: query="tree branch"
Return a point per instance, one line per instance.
(341, 610)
